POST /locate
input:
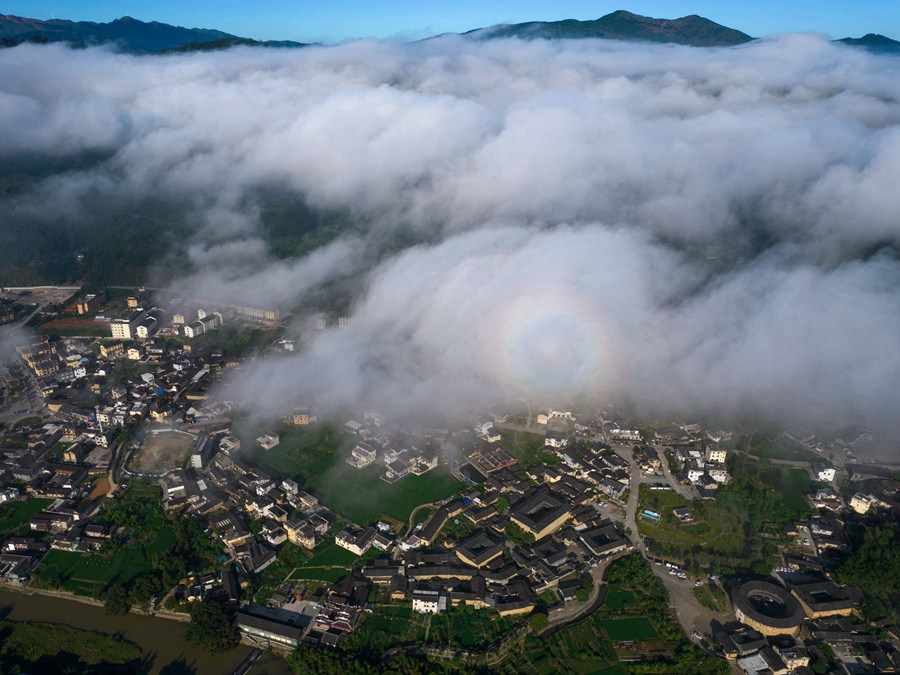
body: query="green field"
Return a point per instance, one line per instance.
(636, 617)
(617, 669)
(580, 648)
(303, 451)
(333, 556)
(527, 448)
(330, 574)
(315, 456)
(388, 626)
(238, 338)
(362, 497)
(82, 573)
(329, 562)
(619, 598)
(65, 328)
(698, 529)
(629, 629)
(391, 625)
(14, 516)
(771, 445)
(469, 628)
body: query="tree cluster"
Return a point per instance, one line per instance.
(874, 568)
(212, 627)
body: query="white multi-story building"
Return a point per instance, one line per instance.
(193, 329)
(717, 472)
(625, 434)
(362, 455)
(694, 473)
(268, 441)
(120, 329)
(211, 322)
(428, 602)
(716, 454)
(146, 328)
(555, 439)
(862, 503)
(823, 472)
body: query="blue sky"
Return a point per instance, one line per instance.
(335, 20)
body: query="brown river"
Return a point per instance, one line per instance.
(161, 640)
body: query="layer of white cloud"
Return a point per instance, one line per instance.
(694, 230)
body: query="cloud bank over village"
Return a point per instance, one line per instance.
(699, 231)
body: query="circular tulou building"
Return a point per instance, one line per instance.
(768, 608)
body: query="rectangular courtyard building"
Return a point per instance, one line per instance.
(540, 513)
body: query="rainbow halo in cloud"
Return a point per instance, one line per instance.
(551, 342)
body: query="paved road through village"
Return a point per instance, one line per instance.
(692, 615)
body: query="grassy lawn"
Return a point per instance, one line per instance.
(638, 628)
(237, 338)
(303, 451)
(162, 543)
(772, 445)
(669, 527)
(712, 596)
(526, 447)
(361, 496)
(329, 562)
(15, 515)
(794, 484)
(698, 529)
(333, 556)
(65, 328)
(28, 422)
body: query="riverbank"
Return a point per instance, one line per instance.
(30, 590)
(161, 641)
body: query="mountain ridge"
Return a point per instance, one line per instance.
(129, 33)
(133, 35)
(873, 42)
(691, 30)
